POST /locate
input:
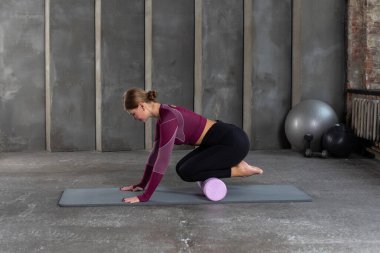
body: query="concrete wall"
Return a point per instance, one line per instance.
(122, 67)
(22, 97)
(173, 52)
(323, 52)
(271, 70)
(83, 110)
(222, 63)
(72, 83)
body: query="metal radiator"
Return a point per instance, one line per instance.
(365, 120)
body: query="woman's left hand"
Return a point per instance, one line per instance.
(131, 200)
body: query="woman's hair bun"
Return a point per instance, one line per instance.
(152, 95)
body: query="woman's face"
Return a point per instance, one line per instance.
(139, 113)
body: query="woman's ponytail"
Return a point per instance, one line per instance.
(134, 96)
(151, 96)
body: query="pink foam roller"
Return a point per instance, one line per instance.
(213, 188)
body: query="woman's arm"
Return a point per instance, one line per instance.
(168, 131)
(149, 167)
(151, 159)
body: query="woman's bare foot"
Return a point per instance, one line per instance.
(243, 169)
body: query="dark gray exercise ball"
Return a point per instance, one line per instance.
(309, 117)
(339, 140)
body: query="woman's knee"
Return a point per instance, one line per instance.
(184, 173)
(242, 146)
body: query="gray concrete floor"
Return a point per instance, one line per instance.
(343, 217)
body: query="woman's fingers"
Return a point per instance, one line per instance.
(136, 189)
(131, 188)
(126, 188)
(131, 200)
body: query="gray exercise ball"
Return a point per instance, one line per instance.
(309, 117)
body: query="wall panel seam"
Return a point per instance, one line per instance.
(47, 77)
(98, 81)
(247, 69)
(198, 57)
(296, 52)
(148, 66)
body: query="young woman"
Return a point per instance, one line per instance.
(222, 146)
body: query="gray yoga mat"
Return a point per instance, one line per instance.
(184, 196)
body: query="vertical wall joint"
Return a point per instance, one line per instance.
(148, 65)
(47, 75)
(98, 72)
(198, 57)
(296, 52)
(247, 75)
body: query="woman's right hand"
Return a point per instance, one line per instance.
(131, 188)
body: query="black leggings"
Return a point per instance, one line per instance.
(224, 146)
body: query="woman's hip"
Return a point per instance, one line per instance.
(225, 134)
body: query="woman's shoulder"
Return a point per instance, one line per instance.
(168, 109)
(167, 112)
(169, 106)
